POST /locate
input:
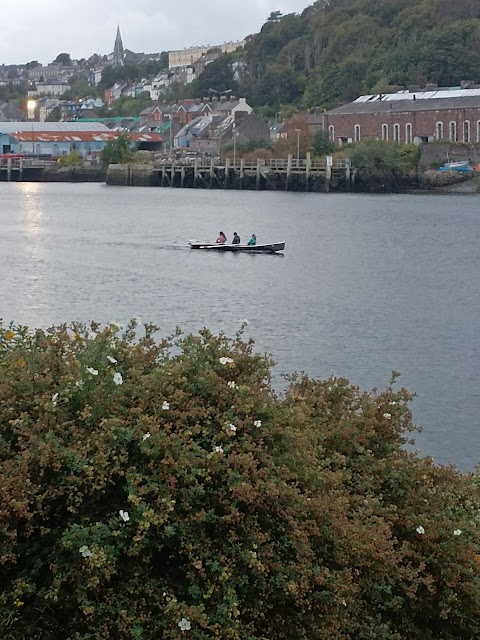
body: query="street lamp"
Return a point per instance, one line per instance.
(298, 146)
(31, 106)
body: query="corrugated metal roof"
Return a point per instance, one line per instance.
(80, 136)
(420, 95)
(11, 127)
(411, 105)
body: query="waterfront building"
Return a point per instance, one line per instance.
(55, 139)
(412, 115)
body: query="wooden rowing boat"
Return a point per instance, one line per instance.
(273, 247)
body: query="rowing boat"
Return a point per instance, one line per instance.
(273, 247)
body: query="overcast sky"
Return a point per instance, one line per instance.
(39, 30)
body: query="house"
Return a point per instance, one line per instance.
(10, 111)
(115, 92)
(52, 88)
(414, 115)
(229, 106)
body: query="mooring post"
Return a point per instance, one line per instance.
(195, 173)
(20, 177)
(328, 177)
(227, 171)
(308, 167)
(242, 171)
(9, 169)
(212, 172)
(259, 173)
(348, 173)
(164, 170)
(172, 174)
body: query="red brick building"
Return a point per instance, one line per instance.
(408, 116)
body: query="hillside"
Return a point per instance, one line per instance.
(337, 49)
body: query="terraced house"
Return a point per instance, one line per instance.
(412, 115)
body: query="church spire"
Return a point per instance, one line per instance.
(118, 52)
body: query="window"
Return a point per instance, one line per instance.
(331, 132)
(466, 131)
(452, 128)
(439, 131)
(385, 132)
(396, 133)
(408, 133)
(357, 136)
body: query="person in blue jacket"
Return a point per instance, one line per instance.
(253, 240)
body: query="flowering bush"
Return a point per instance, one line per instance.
(144, 496)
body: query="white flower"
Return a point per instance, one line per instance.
(146, 436)
(232, 427)
(393, 403)
(232, 384)
(92, 335)
(79, 383)
(117, 378)
(218, 450)
(257, 423)
(92, 372)
(185, 625)
(457, 532)
(344, 603)
(387, 415)
(124, 515)
(112, 360)
(85, 551)
(244, 321)
(54, 399)
(226, 360)
(165, 406)
(420, 530)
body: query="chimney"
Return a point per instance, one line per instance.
(233, 98)
(223, 98)
(467, 84)
(215, 99)
(431, 86)
(197, 100)
(413, 88)
(206, 99)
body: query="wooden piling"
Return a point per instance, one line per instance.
(308, 169)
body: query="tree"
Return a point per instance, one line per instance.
(378, 163)
(55, 115)
(64, 59)
(117, 151)
(323, 144)
(275, 16)
(32, 64)
(218, 75)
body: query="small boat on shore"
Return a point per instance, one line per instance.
(273, 247)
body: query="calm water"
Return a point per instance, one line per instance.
(367, 284)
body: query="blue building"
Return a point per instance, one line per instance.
(61, 138)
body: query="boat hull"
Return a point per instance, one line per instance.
(273, 247)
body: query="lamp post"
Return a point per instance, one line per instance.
(298, 147)
(31, 106)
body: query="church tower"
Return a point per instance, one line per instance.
(118, 52)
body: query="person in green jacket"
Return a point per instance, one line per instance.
(253, 240)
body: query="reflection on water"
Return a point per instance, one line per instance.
(367, 284)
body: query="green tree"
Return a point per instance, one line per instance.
(117, 151)
(323, 144)
(55, 115)
(217, 76)
(378, 163)
(64, 59)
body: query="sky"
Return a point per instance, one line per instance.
(40, 30)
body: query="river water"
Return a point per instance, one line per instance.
(368, 284)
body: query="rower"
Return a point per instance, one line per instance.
(253, 240)
(236, 238)
(222, 238)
